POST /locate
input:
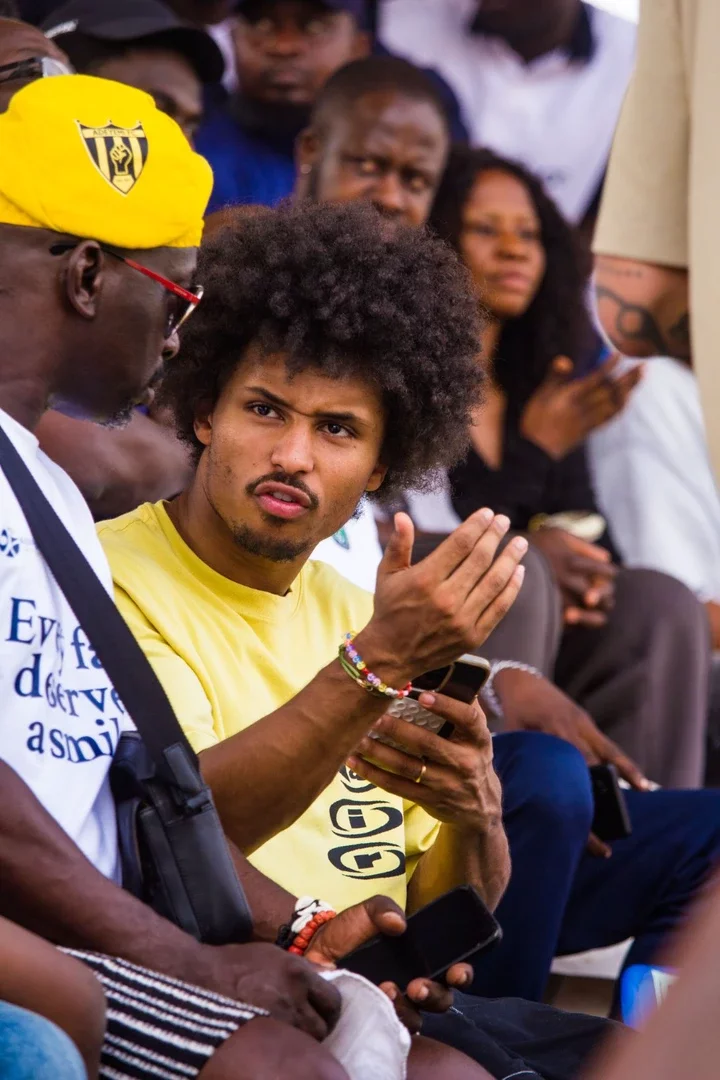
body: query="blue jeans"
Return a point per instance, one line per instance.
(32, 1048)
(562, 900)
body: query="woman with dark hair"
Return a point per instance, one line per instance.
(629, 646)
(530, 274)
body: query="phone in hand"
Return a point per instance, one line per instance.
(611, 820)
(462, 680)
(454, 928)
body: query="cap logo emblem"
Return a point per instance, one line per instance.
(119, 154)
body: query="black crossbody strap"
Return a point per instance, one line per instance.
(119, 653)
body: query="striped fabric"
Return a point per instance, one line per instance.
(159, 1028)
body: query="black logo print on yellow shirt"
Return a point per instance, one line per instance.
(362, 820)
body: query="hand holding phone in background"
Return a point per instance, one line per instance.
(380, 919)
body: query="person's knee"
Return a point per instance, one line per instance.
(33, 1048)
(431, 1060)
(655, 599)
(549, 782)
(265, 1049)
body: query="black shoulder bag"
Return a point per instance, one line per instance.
(172, 847)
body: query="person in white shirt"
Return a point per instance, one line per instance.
(96, 276)
(539, 81)
(656, 486)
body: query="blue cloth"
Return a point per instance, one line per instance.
(248, 168)
(561, 900)
(32, 1048)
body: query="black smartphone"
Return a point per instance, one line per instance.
(462, 680)
(611, 820)
(453, 928)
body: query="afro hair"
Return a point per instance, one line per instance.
(337, 289)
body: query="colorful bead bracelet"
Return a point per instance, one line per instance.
(354, 665)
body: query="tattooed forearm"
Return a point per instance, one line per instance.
(633, 323)
(644, 307)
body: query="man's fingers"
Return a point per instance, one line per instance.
(577, 616)
(398, 552)
(468, 720)
(458, 545)
(394, 785)
(495, 580)
(391, 760)
(598, 848)
(406, 1011)
(325, 1003)
(498, 609)
(590, 551)
(459, 975)
(412, 739)
(464, 579)
(429, 995)
(590, 568)
(596, 378)
(625, 766)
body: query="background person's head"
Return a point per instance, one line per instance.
(378, 134)
(77, 198)
(330, 354)
(25, 55)
(286, 50)
(142, 44)
(528, 268)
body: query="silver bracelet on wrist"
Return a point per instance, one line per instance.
(488, 692)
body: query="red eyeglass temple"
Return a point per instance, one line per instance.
(178, 290)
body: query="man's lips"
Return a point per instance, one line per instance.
(282, 500)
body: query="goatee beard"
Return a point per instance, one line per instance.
(266, 547)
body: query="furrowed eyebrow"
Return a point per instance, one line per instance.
(338, 417)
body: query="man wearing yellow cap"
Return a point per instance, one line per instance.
(101, 206)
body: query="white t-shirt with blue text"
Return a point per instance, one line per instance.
(60, 718)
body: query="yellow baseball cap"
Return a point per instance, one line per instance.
(97, 159)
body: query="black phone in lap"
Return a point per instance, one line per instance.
(454, 928)
(611, 820)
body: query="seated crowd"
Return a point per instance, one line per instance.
(323, 418)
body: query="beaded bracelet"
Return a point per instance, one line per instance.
(303, 939)
(307, 918)
(354, 665)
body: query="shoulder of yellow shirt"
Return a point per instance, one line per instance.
(139, 534)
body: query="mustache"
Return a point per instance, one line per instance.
(284, 478)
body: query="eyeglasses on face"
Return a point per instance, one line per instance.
(36, 67)
(185, 300)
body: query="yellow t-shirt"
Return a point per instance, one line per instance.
(227, 656)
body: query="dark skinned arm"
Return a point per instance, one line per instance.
(266, 776)
(48, 886)
(117, 469)
(643, 307)
(38, 977)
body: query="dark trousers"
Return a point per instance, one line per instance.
(643, 677)
(562, 900)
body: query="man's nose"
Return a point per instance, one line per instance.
(292, 452)
(388, 195)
